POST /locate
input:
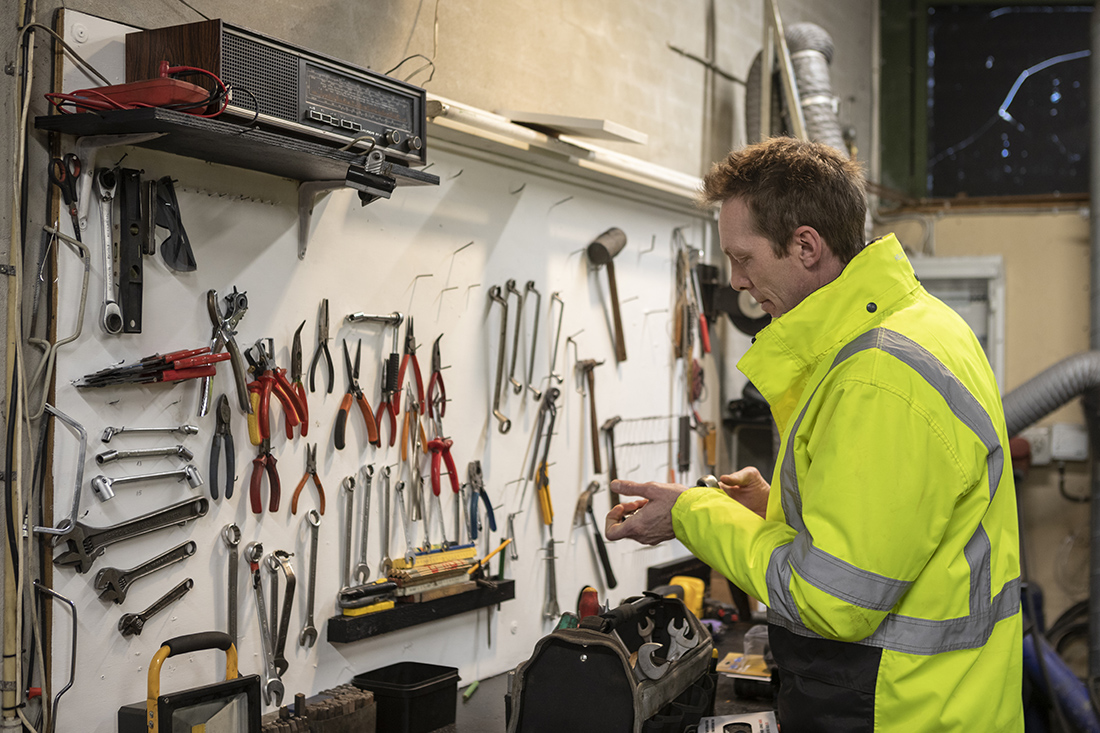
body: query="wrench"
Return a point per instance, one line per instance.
(649, 666)
(308, 637)
(504, 423)
(133, 623)
(362, 570)
(103, 486)
(273, 686)
(106, 182)
(410, 555)
(550, 608)
(683, 639)
(386, 564)
(231, 536)
(110, 432)
(510, 286)
(87, 543)
(283, 559)
(113, 584)
(349, 489)
(530, 288)
(108, 456)
(645, 629)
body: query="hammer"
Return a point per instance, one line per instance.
(584, 506)
(586, 368)
(602, 251)
(612, 467)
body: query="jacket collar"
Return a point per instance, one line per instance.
(786, 352)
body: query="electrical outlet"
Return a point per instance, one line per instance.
(1039, 437)
(1069, 442)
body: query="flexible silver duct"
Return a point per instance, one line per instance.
(752, 103)
(1050, 389)
(811, 50)
(1094, 343)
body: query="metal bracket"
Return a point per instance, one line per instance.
(8, 270)
(309, 192)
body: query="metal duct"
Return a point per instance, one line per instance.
(1094, 343)
(811, 50)
(752, 103)
(1050, 389)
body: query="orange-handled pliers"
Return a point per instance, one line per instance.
(311, 470)
(354, 391)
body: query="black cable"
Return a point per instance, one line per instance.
(1062, 487)
(410, 58)
(9, 470)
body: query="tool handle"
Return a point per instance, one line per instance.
(178, 375)
(196, 360)
(601, 550)
(239, 370)
(342, 421)
(594, 424)
(254, 436)
(392, 380)
(274, 489)
(704, 333)
(300, 391)
(368, 418)
(297, 493)
(254, 485)
(436, 447)
(451, 470)
(288, 396)
(267, 383)
(290, 412)
(215, 446)
(616, 316)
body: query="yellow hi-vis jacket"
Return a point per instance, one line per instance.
(889, 559)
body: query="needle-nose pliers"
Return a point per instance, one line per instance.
(354, 391)
(296, 378)
(322, 348)
(311, 470)
(410, 354)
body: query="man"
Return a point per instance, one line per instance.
(887, 553)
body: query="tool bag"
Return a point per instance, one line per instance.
(232, 705)
(590, 678)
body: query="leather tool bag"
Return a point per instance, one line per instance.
(590, 678)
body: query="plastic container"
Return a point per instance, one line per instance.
(756, 640)
(412, 697)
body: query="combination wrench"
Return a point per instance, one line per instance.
(113, 584)
(362, 569)
(231, 536)
(349, 515)
(410, 555)
(273, 686)
(551, 610)
(283, 559)
(308, 637)
(504, 424)
(510, 286)
(106, 183)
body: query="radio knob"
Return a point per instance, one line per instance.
(394, 137)
(414, 143)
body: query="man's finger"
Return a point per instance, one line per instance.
(634, 488)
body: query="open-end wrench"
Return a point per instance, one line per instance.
(510, 286)
(650, 666)
(556, 296)
(528, 289)
(410, 555)
(113, 584)
(87, 543)
(106, 182)
(550, 609)
(273, 686)
(308, 637)
(231, 536)
(111, 432)
(682, 638)
(362, 569)
(283, 559)
(133, 623)
(504, 424)
(386, 564)
(349, 515)
(109, 456)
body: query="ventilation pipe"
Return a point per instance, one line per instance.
(1050, 389)
(1094, 343)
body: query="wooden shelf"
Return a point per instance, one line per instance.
(225, 142)
(343, 629)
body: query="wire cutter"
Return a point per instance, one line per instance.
(477, 490)
(322, 347)
(440, 448)
(271, 379)
(264, 462)
(410, 354)
(64, 173)
(296, 379)
(385, 405)
(311, 470)
(437, 407)
(222, 435)
(355, 391)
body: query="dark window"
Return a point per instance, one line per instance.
(1007, 96)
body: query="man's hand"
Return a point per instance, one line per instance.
(748, 487)
(647, 520)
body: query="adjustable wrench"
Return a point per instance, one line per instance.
(273, 686)
(410, 555)
(349, 489)
(308, 637)
(504, 424)
(106, 183)
(386, 564)
(231, 536)
(283, 559)
(113, 584)
(133, 623)
(87, 543)
(362, 569)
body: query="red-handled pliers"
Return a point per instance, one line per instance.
(264, 462)
(437, 407)
(299, 389)
(410, 353)
(272, 379)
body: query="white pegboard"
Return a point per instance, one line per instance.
(408, 254)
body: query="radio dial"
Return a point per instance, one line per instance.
(394, 137)
(414, 143)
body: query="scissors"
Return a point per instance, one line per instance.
(64, 173)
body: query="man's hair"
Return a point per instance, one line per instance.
(788, 183)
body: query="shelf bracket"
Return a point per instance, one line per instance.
(309, 193)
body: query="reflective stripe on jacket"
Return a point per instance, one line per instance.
(891, 546)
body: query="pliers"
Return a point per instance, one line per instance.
(222, 435)
(311, 470)
(410, 354)
(271, 378)
(296, 378)
(409, 432)
(355, 391)
(385, 405)
(437, 407)
(477, 489)
(261, 463)
(322, 347)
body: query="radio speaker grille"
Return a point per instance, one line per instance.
(269, 73)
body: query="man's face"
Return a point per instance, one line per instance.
(777, 283)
